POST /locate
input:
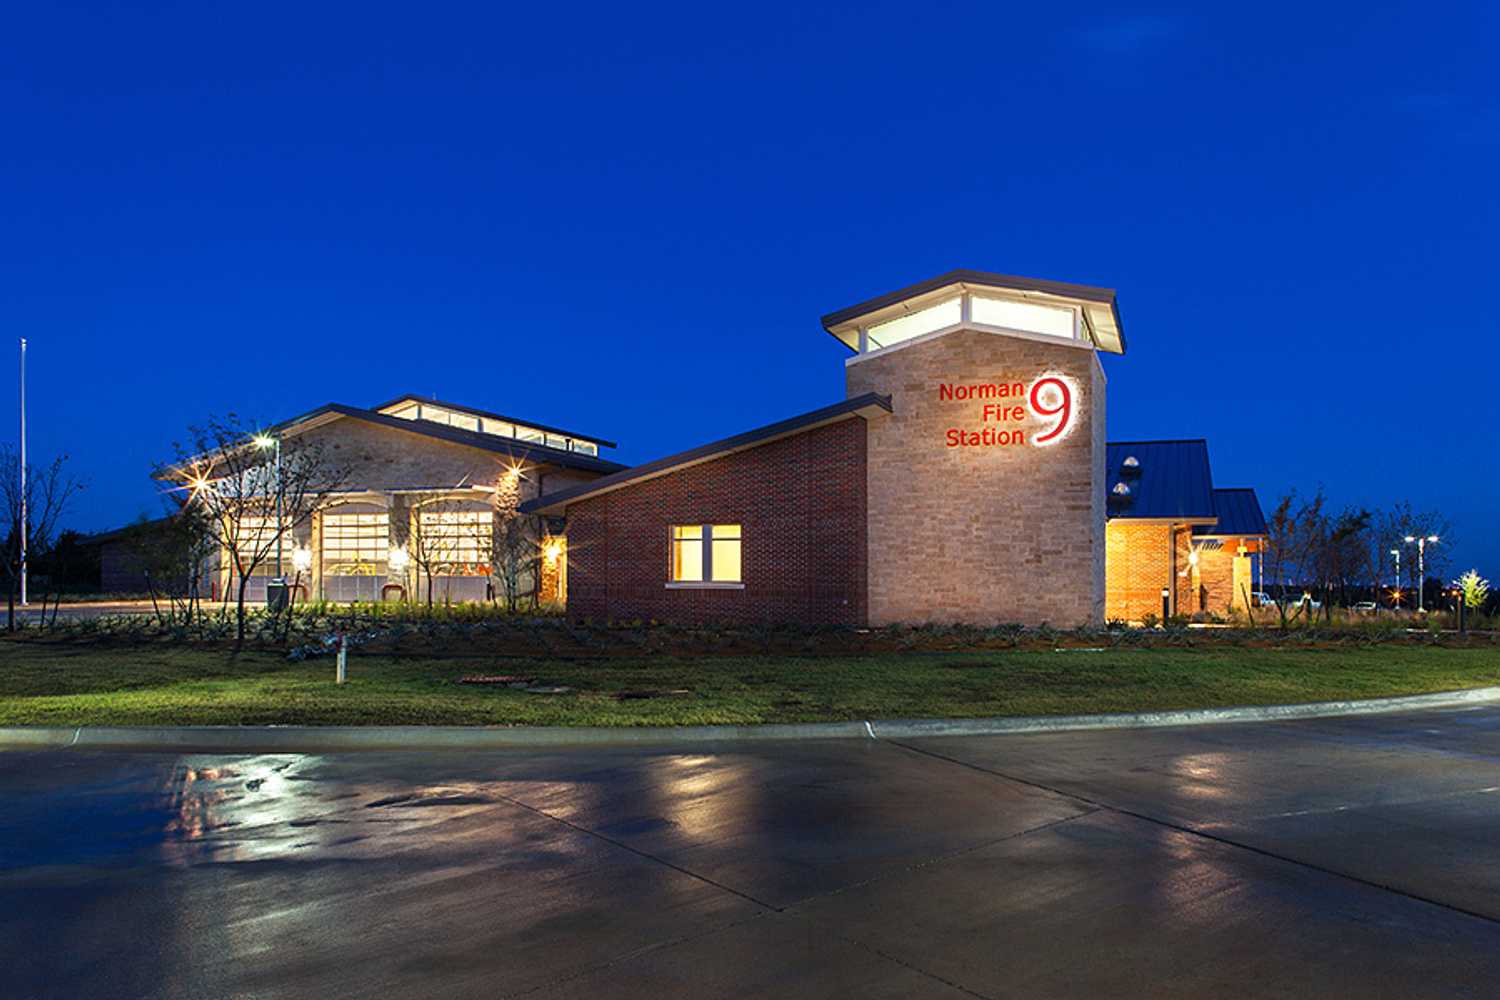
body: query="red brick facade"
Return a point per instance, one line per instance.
(801, 503)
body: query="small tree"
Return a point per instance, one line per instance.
(48, 492)
(173, 555)
(252, 491)
(516, 543)
(438, 545)
(1473, 589)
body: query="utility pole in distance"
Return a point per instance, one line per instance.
(25, 514)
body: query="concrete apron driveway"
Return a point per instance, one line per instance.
(1331, 857)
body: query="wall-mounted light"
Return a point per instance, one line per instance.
(552, 551)
(302, 559)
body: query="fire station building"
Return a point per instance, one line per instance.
(965, 477)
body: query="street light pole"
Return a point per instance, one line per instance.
(1421, 567)
(1397, 554)
(274, 441)
(279, 491)
(25, 512)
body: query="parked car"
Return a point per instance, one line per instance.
(1366, 607)
(1261, 599)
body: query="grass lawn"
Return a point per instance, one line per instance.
(70, 683)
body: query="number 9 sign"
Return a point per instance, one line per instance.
(1051, 398)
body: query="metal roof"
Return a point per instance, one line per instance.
(1171, 481)
(475, 411)
(865, 405)
(1239, 514)
(1103, 297)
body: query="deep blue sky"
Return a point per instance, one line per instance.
(627, 219)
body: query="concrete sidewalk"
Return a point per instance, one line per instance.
(273, 739)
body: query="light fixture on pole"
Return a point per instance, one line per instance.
(25, 525)
(1421, 566)
(264, 441)
(1397, 591)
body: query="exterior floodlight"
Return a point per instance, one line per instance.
(302, 559)
(399, 559)
(264, 441)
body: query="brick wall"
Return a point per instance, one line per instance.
(991, 533)
(800, 502)
(1138, 564)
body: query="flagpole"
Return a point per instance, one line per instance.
(25, 514)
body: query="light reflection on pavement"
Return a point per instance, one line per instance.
(1330, 857)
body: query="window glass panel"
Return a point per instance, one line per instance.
(1028, 316)
(528, 434)
(463, 421)
(555, 441)
(499, 427)
(456, 542)
(586, 447)
(687, 559)
(256, 536)
(726, 531)
(894, 331)
(406, 411)
(356, 544)
(687, 531)
(726, 559)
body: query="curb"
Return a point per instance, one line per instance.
(290, 739)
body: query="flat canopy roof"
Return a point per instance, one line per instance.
(1098, 304)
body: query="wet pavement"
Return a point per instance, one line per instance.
(1318, 858)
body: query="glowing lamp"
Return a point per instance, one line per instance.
(264, 441)
(302, 559)
(399, 559)
(552, 550)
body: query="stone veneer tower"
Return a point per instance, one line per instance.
(986, 482)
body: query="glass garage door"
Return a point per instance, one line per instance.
(355, 550)
(457, 546)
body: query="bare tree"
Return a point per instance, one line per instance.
(253, 491)
(49, 490)
(439, 543)
(516, 544)
(1401, 521)
(173, 555)
(1338, 549)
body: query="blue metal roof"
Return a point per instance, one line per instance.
(1239, 514)
(1169, 479)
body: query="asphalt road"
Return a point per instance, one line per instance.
(1354, 857)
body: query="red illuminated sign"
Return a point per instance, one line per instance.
(1007, 407)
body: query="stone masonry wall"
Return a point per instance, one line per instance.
(800, 502)
(990, 533)
(1139, 565)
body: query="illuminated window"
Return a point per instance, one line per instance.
(416, 410)
(706, 553)
(499, 428)
(356, 544)
(456, 542)
(406, 411)
(894, 331)
(1051, 321)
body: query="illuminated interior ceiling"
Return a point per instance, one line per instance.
(1004, 303)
